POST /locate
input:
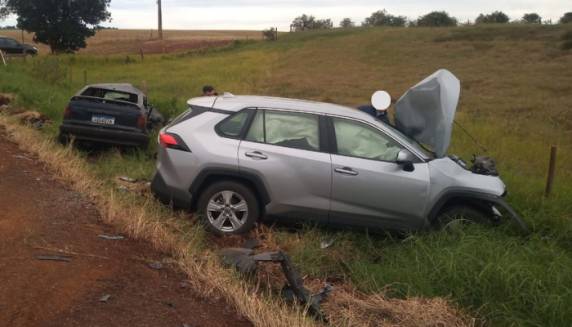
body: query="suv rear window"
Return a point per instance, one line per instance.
(288, 129)
(233, 126)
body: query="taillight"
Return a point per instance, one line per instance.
(172, 141)
(67, 112)
(142, 122)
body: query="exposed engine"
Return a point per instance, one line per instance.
(484, 166)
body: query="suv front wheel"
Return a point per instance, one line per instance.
(228, 208)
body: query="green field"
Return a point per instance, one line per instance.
(516, 100)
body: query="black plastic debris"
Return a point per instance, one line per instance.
(54, 258)
(251, 244)
(245, 261)
(111, 237)
(155, 265)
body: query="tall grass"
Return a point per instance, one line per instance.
(516, 101)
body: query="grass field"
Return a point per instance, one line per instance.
(517, 91)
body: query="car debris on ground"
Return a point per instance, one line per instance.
(111, 237)
(33, 118)
(324, 244)
(54, 258)
(127, 179)
(155, 265)
(245, 261)
(128, 184)
(105, 298)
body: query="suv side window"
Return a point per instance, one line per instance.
(359, 140)
(287, 129)
(232, 127)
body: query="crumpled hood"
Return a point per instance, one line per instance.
(426, 112)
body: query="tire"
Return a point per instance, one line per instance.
(459, 214)
(228, 208)
(63, 139)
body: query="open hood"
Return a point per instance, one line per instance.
(426, 112)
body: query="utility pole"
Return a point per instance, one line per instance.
(160, 20)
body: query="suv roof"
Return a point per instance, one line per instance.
(239, 102)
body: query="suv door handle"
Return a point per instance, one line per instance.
(256, 155)
(346, 171)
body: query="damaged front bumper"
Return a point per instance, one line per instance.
(516, 218)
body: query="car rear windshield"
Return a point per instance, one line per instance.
(110, 95)
(191, 112)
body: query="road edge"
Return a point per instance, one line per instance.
(152, 223)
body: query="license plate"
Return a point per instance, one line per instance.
(103, 120)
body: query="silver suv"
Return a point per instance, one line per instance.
(236, 159)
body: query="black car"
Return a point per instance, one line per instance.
(13, 47)
(110, 113)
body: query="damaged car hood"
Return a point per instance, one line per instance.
(427, 111)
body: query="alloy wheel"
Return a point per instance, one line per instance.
(227, 211)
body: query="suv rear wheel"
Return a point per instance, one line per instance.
(228, 208)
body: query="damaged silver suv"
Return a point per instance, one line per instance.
(237, 159)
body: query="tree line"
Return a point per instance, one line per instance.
(432, 19)
(65, 25)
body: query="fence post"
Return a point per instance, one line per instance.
(70, 77)
(85, 77)
(3, 58)
(141, 54)
(145, 88)
(551, 171)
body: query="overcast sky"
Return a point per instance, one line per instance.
(260, 14)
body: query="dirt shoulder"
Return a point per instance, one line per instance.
(39, 216)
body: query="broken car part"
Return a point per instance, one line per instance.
(245, 261)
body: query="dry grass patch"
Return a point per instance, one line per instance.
(354, 309)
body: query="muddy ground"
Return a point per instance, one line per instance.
(103, 282)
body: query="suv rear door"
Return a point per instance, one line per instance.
(284, 148)
(369, 188)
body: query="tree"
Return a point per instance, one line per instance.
(308, 22)
(383, 18)
(532, 18)
(497, 17)
(63, 25)
(566, 19)
(347, 23)
(323, 24)
(303, 23)
(3, 9)
(270, 34)
(436, 19)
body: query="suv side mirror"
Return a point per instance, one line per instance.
(405, 159)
